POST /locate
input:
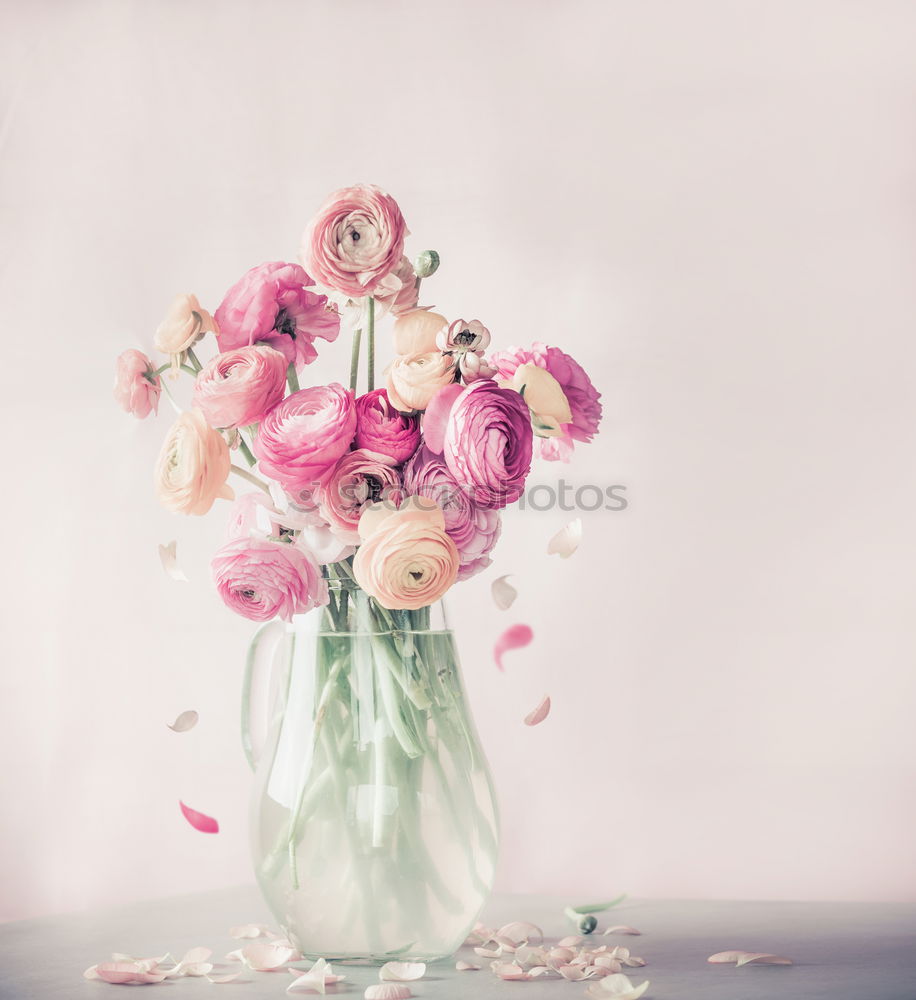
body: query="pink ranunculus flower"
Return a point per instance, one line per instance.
(407, 559)
(414, 379)
(415, 331)
(261, 579)
(272, 304)
(583, 399)
(238, 387)
(383, 429)
(193, 466)
(137, 386)
(473, 529)
(488, 442)
(403, 298)
(356, 241)
(359, 478)
(301, 438)
(185, 323)
(253, 513)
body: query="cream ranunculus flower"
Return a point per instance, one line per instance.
(415, 331)
(406, 560)
(545, 398)
(193, 466)
(185, 323)
(414, 379)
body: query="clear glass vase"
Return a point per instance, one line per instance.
(374, 827)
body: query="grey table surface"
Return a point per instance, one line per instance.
(865, 951)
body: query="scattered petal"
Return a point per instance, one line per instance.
(223, 977)
(169, 560)
(460, 965)
(402, 972)
(566, 540)
(187, 720)
(488, 952)
(561, 955)
(206, 824)
(243, 931)
(616, 987)
(573, 972)
(265, 957)
(761, 958)
(520, 931)
(126, 972)
(538, 970)
(504, 593)
(515, 637)
(621, 929)
(599, 907)
(573, 941)
(725, 957)
(196, 955)
(508, 970)
(387, 991)
(540, 713)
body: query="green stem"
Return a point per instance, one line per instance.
(292, 379)
(354, 358)
(192, 357)
(246, 451)
(370, 343)
(245, 474)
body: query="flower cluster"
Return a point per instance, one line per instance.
(399, 488)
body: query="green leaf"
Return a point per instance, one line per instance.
(598, 907)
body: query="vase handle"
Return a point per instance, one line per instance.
(256, 687)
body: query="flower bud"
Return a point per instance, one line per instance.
(426, 263)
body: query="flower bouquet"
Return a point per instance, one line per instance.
(374, 828)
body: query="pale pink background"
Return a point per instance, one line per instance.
(709, 203)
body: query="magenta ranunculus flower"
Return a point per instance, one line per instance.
(301, 438)
(356, 241)
(137, 387)
(582, 397)
(488, 442)
(383, 429)
(271, 304)
(360, 478)
(261, 579)
(472, 528)
(238, 387)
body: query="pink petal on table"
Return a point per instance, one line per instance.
(503, 592)
(573, 941)
(526, 955)
(206, 824)
(235, 956)
(264, 957)
(488, 952)
(126, 972)
(196, 955)
(507, 944)
(566, 540)
(187, 720)
(402, 972)
(575, 973)
(508, 970)
(616, 987)
(247, 931)
(387, 991)
(169, 560)
(562, 955)
(479, 935)
(726, 957)
(520, 931)
(621, 929)
(540, 713)
(463, 966)
(196, 968)
(515, 637)
(538, 970)
(761, 958)
(607, 962)
(435, 416)
(223, 977)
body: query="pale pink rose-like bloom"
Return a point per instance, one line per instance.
(272, 304)
(407, 559)
(261, 579)
(302, 437)
(185, 323)
(193, 466)
(253, 512)
(488, 442)
(383, 429)
(415, 331)
(582, 397)
(359, 478)
(414, 379)
(474, 529)
(238, 387)
(137, 387)
(400, 300)
(356, 241)
(467, 340)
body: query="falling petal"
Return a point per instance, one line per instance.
(520, 931)
(621, 929)
(387, 991)
(264, 957)
(566, 540)
(187, 720)
(599, 907)
(223, 977)
(460, 965)
(402, 972)
(243, 931)
(725, 957)
(515, 637)
(169, 560)
(504, 593)
(761, 958)
(540, 713)
(206, 824)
